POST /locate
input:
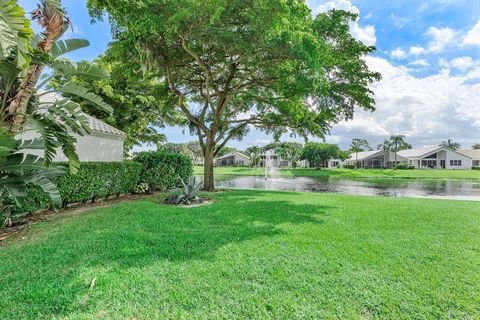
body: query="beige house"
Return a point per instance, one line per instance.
(233, 159)
(474, 155)
(436, 158)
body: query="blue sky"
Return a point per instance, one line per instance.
(428, 53)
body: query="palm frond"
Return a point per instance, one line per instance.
(15, 32)
(82, 92)
(62, 47)
(85, 69)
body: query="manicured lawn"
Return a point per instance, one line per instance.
(250, 255)
(348, 173)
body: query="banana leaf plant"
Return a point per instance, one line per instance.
(20, 170)
(26, 90)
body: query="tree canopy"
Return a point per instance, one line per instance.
(232, 64)
(317, 153)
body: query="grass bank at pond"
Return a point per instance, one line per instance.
(349, 173)
(251, 254)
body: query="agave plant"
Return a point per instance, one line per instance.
(18, 170)
(189, 193)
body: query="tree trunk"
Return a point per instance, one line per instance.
(18, 107)
(208, 182)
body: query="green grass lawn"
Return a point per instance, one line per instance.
(250, 255)
(348, 173)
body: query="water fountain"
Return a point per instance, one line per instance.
(270, 164)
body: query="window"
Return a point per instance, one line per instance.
(455, 163)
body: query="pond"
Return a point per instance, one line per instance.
(391, 187)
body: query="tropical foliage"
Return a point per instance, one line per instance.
(29, 100)
(359, 145)
(229, 65)
(318, 153)
(188, 194)
(138, 102)
(20, 170)
(451, 144)
(397, 143)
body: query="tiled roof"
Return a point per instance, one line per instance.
(417, 152)
(474, 154)
(95, 124)
(101, 127)
(364, 155)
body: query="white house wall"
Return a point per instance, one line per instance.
(90, 148)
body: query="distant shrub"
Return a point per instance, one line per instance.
(476, 168)
(162, 170)
(349, 166)
(405, 166)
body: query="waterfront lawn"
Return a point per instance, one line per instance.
(350, 173)
(251, 254)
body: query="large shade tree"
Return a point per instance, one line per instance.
(319, 153)
(235, 64)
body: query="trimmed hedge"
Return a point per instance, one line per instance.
(94, 180)
(349, 166)
(101, 180)
(161, 170)
(476, 168)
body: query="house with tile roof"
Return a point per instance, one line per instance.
(436, 158)
(103, 144)
(474, 154)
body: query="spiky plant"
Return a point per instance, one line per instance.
(189, 192)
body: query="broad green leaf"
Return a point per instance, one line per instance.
(62, 47)
(82, 92)
(20, 161)
(15, 32)
(84, 69)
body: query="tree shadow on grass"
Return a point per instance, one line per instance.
(135, 235)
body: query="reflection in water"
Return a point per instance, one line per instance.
(421, 188)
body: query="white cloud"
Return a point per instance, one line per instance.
(420, 63)
(398, 53)
(462, 62)
(441, 38)
(363, 125)
(399, 22)
(426, 109)
(365, 34)
(473, 36)
(415, 51)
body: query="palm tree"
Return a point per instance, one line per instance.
(51, 16)
(398, 143)
(54, 120)
(385, 146)
(450, 144)
(359, 145)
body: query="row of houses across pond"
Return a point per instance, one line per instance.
(419, 158)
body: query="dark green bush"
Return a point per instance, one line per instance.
(476, 168)
(161, 170)
(405, 166)
(94, 180)
(349, 166)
